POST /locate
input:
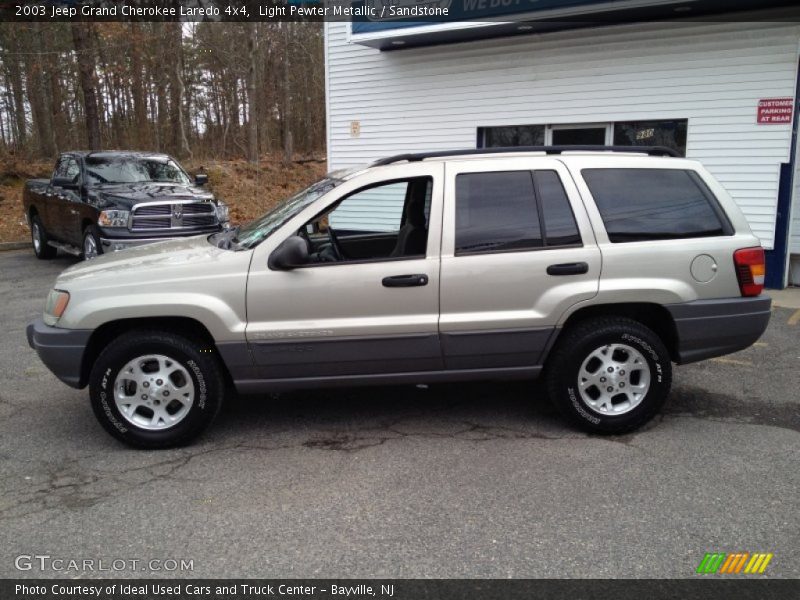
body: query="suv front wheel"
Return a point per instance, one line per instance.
(609, 375)
(156, 390)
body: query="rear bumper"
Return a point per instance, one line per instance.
(61, 350)
(708, 328)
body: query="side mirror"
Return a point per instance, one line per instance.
(64, 182)
(293, 252)
(200, 179)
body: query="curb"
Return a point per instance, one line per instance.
(13, 245)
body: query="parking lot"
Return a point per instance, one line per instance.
(471, 480)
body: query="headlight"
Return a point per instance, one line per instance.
(113, 218)
(55, 306)
(222, 212)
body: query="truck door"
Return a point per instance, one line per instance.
(517, 251)
(64, 201)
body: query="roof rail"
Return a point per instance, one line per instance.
(416, 157)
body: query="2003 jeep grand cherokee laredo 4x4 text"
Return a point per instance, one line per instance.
(596, 268)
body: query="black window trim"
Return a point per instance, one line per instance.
(713, 202)
(539, 212)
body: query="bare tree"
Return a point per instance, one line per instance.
(207, 89)
(15, 80)
(288, 142)
(81, 34)
(252, 97)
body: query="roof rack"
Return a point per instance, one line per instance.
(416, 157)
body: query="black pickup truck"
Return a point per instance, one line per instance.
(103, 201)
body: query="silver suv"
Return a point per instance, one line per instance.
(595, 268)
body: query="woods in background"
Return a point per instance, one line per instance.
(193, 90)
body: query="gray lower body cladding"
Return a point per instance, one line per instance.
(704, 329)
(61, 350)
(709, 328)
(415, 358)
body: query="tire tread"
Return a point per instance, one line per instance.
(563, 353)
(212, 374)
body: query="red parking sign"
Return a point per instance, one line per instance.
(775, 110)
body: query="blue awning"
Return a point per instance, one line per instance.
(386, 26)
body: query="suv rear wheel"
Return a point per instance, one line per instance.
(609, 375)
(156, 390)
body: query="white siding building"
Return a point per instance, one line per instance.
(705, 79)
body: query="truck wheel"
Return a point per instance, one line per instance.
(609, 375)
(39, 238)
(91, 247)
(156, 390)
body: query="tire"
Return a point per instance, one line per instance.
(160, 415)
(39, 239)
(580, 365)
(90, 243)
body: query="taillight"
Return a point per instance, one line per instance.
(750, 270)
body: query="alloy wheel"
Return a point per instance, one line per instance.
(614, 379)
(154, 392)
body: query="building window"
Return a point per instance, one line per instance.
(671, 134)
(505, 137)
(653, 204)
(496, 212)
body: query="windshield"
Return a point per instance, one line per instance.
(128, 169)
(251, 234)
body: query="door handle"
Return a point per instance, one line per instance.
(578, 268)
(405, 280)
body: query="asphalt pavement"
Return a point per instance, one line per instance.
(476, 480)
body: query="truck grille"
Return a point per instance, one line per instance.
(186, 215)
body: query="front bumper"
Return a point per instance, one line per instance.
(119, 239)
(709, 328)
(112, 245)
(61, 350)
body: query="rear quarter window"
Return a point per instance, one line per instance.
(655, 204)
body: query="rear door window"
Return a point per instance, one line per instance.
(654, 204)
(496, 212)
(559, 222)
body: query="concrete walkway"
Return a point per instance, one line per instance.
(788, 298)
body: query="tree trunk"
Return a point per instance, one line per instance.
(176, 92)
(38, 98)
(15, 79)
(288, 145)
(252, 99)
(81, 34)
(57, 111)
